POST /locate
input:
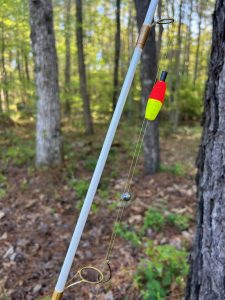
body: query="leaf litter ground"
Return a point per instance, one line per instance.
(40, 209)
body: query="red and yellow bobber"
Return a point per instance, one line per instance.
(156, 98)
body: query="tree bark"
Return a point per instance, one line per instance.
(207, 273)
(148, 73)
(117, 56)
(48, 139)
(68, 57)
(82, 69)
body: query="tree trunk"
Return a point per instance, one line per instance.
(187, 56)
(207, 273)
(68, 58)
(198, 48)
(148, 73)
(117, 56)
(159, 40)
(82, 69)
(22, 90)
(26, 62)
(4, 71)
(48, 139)
(131, 36)
(176, 71)
(1, 109)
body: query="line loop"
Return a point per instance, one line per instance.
(163, 21)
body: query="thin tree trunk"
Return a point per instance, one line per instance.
(18, 64)
(21, 79)
(68, 58)
(130, 45)
(176, 81)
(207, 272)
(48, 139)
(1, 109)
(82, 69)
(117, 56)
(4, 71)
(198, 48)
(148, 73)
(159, 41)
(27, 72)
(187, 57)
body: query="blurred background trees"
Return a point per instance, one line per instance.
(187, 43)
(94, 43)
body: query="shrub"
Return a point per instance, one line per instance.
(128, 235)
(165, 266)
(180, 221)
(80, 187)
(21, 154)
(153, 219)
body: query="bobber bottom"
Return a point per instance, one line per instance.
(153, 108)
(57, 296)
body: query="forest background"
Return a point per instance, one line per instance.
(161, 223)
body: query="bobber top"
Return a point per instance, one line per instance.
(156, 98)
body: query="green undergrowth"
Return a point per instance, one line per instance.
(165, 265)
(90, 163)
(17, 149)
(3, 185)
(79, 186)
(153, 219)
(128, 234)
(157, 219)
(176, 169)
(182, 222)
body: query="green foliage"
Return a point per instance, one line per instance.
(3, 179)
(2, 193)
(165, 266)
(127, 234)
(176, 169)
(113, 205)
(20, 154)
(79, 204)
(80, 187)
(90, 163)
(153, 219)
(104, 194)
(156, 220)
(114, 174)
(190, 100)
(180, 221)
(3, 185)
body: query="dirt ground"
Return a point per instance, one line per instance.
(38, 215)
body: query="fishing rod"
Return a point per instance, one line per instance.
(63, 276)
